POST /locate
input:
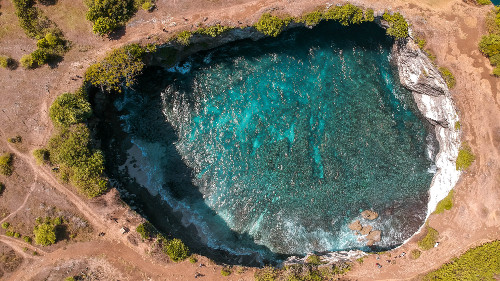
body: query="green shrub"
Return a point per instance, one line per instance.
(17, 234)
(369, 15)
(148, 6)
(70, 278)
(193, 259)
(9, 233)
(314, 260)
(176, 250)
(445, 204)
(479, 263)
(31, 19)
(16, 139)
(53, 43)
(430, 55)
(109, 14)
(271, 25)
(415, 254)
(347, 14)
(146, 230)
(45, 234)
(225, 271)
(42, 156)
(184, 37)
(212, 31)
(465, 157)
(69, 109)
(27, 61)
(6, 62)
(6, 164)
(70, 149)
(27, 239)
(421, 42)
(398, 27)
(496, 71)
(429, 240)
(495, 60)
(457, 125)
(267, 273)
(5, 225)
(448, 77)
(483, 2)
(119, 68)
(490, 45)
(312, 19)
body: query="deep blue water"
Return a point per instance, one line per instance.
(286, 140)
(495, 2)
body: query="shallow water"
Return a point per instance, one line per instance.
(282, 142)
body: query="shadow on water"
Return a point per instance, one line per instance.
(151, 127)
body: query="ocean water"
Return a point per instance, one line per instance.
(275, 146)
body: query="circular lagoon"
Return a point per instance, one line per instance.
(273, 147)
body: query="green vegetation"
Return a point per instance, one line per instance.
(146, 230)
(184, 37)
(429, 240)
(119, 68)
(314, 260)
(6, 62)
(398, 27)
(5, 225)
(27, 62)
(457, 126)
(9, 233)
(42, 156)
(82, 165)
(193, 259)
(346, 15)
(490, 44)
(448, 77)
(70, 278)
(31, 19)
(272, 25)
(369, 15)
(176, 250)
(45, 234)
(421, 42)
(16, 139)
(27, 239)
(69, 109)
(479, 263)
(212, 31)
(415, 254)
(225, 271)
(311, 19)
(106, 15)
(304, 272)
(445, 204)
(465, 157)
(267, 273)
(17, 234)
(483, 2)
(6, 164)
(2, 187)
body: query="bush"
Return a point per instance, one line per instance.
(421, 42)
(369, 15)
(457, 125)
(496, 71)
(193, 259)
(225, 271)
(490, 45)
(347, 14)
(479, 263)
(109, 14)
(267, 273)
(17, 234)
(6, 62)
(16, 139)
(45, 234)
(312, 18)
(42, 156)
(147, 6)
(27, 61)
(445, 204)
(70, 149)
(119, 68)
(9, 233)
(69, 109)
(483, 2)
(213, 31)
(415, 254)
(271, 25)
(30, 18)
(27, 239)
(184, 37)
(429, 240)
(314, 260)
(176, 250)
(5, 225)
(146, 230)
(6, 164)
(398, 27)
(465, 158)
(448, 77)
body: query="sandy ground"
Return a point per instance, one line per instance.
(451, 27)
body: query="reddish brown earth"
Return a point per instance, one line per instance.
(452, 29)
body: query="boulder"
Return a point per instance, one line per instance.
(374, 235)
(370, 243)
(369, 214)
(356, 226)
(366, 229)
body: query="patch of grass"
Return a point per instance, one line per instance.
(429, 240)
(457, 126)
(415, 254)
(6, 164)
(146, 230)
(272, 25)
(314, 260)
(445, 204)
(225, 271)
(398, 27)
(479, 263)
(465, 158)
(449, 78)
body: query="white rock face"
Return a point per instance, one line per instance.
(433, 98)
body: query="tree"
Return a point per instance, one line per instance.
(104, 25)
(108, 14)
(45, 234)
(69, 109)
(176, 250)
(398, 27)
(490, 45)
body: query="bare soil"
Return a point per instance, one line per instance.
(452, 29)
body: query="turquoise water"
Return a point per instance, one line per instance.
(285, 141)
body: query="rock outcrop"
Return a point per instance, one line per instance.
(366, 229)
(369, 214)
(329, 258)
(356, 226)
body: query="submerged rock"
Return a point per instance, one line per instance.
(369, 214)
(356, 226)
(366, 229)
